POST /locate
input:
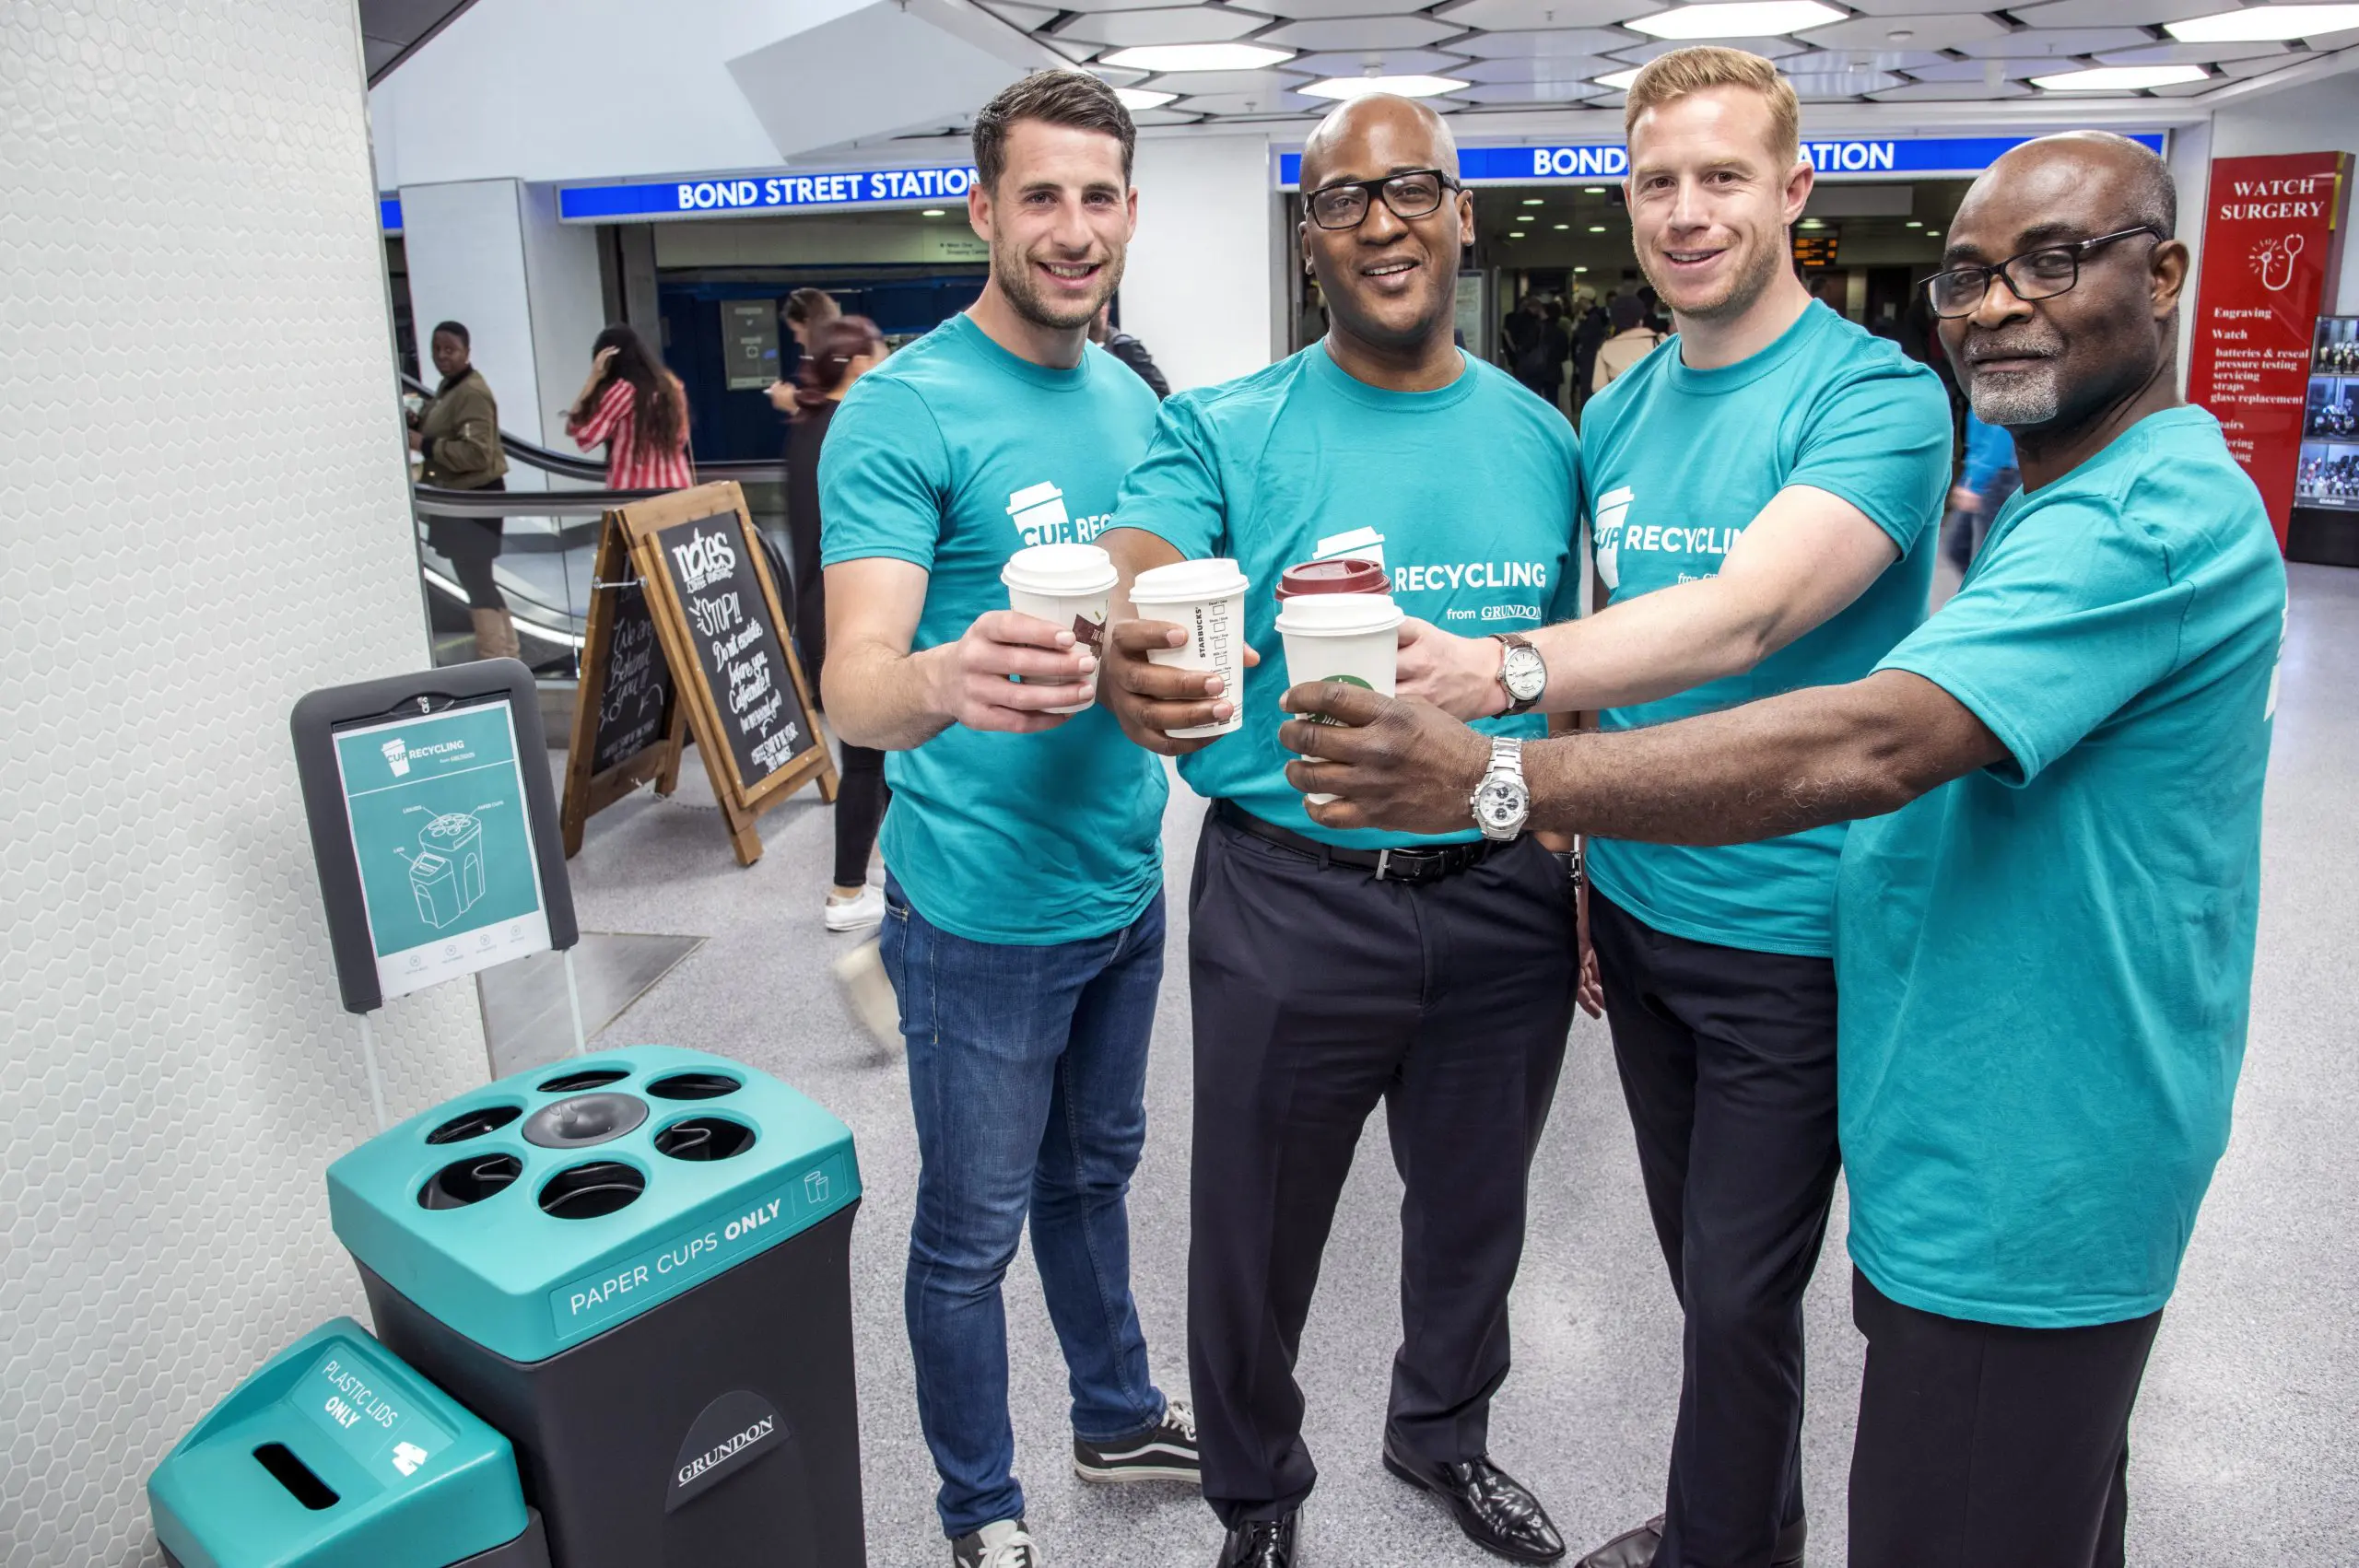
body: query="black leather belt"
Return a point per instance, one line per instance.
(1412, 864)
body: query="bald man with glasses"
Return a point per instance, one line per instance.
(2046, 908)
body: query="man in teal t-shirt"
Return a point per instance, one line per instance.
(2046, 908)
(1024, 902)
(1763, 490)
(1330, 972)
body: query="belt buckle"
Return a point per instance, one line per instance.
(1384, 865)
(1417, 865)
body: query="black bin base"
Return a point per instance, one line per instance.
(720, 1427)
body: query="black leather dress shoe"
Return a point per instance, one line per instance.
(1260, 1543)
(1636, 1549)
(1490, 1505)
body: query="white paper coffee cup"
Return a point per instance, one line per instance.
(1206, 600)
(1067, 586)
(1351, 637)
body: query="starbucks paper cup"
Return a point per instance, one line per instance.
(1351, 637)
(1206, 600)
(1065, 585)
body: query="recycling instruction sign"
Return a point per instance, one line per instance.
(444, 840)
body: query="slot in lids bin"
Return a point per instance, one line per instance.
(529, 1244)
(336, 1455)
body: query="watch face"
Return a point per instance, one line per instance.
(1523, 673)
(1500, 803)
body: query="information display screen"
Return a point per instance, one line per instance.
(442, 835)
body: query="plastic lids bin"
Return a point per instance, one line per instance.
(637, 1265)
(335, 1454)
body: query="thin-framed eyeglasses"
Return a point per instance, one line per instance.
(2036, 275)
(1415, 192)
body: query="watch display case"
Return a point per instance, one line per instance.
(2327, 474)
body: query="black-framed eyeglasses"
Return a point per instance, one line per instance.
(2036, 275)
(1417, 193)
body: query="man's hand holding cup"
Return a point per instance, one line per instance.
(1150, 700)
(967, 681)
(1371, 761)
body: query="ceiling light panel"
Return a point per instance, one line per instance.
(2272, 23)
(1195, 23)
(1025, 16)
(1362, 32)
(1137, 98)
(1344, 88)
(1320, 10)
(2111, 12)
(1620, 81)
(1719, 19)
(2121, 78)
(1198, 57)
(1502, 16)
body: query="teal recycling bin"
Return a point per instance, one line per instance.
(637, 1266)
(335, 1454)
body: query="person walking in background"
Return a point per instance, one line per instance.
(1024, 912)
(1128, 349)
(457, 441)
(1984, 482)
(1632, 341)
(1590, 332)
(637, 410)
(841, 350)
(805, 312)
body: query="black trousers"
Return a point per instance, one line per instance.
(471, 544)
(1982, 1444)
(1727, 1060)
(861, 796)
(1321, 992)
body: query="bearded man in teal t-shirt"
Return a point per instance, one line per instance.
(2046, 908)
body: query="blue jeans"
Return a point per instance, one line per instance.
(1027, 1074)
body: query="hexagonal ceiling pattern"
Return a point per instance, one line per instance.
(1525, 54)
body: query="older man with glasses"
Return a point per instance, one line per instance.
(1335, 972)
(2046, 910)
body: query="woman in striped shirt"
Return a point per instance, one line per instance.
(639, 410)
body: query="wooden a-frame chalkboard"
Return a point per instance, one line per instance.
(629, 724)
(720, 623)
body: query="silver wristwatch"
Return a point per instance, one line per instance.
(1501, 802)
(1524, 675)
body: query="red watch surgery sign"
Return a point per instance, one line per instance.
(2270, 241)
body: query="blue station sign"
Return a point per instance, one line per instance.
(743, 194)
(1610, 160)
(388, 213)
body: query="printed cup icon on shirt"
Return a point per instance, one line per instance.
(1038, 513)
(397, 754)
(1612, 508)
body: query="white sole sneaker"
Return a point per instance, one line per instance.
(864, 913)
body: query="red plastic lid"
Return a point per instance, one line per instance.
(1346, 575)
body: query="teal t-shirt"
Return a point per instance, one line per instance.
(1679, 462)
(2046, 966)
(1467, 494)
(954, 455)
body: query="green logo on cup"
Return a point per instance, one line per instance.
(1341, 681)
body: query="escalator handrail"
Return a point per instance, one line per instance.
(533, 455)
(436, 501)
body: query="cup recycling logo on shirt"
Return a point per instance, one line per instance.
(1367, 545)
(1038, 513)
(1611, 531)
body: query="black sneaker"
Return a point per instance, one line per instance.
(1004, 1543)
(1166, 1451)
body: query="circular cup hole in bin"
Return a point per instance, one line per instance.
(588, 1078)
(695, 1086)
(587, 1192)
(584, 1119)
(463, 1182)
(474, 1123)
(705, 1138)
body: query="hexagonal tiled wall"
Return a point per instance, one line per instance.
(203, 508)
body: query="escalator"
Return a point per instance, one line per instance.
(548, 540)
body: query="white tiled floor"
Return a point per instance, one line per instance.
(2242, 1445)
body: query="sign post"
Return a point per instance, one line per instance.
(2272, 238)
(718, 617)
